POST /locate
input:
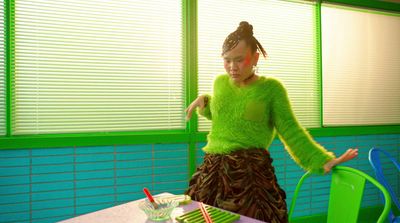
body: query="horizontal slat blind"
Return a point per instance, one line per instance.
(97, 66)
(361, 67)
(2, 74)
(288, 33)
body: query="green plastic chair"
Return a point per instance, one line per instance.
(346, 192)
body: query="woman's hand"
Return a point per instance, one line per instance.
(348, 155)
(199, 102)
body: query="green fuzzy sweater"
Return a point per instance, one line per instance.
(249, 117)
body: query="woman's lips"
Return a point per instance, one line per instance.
(235, 75)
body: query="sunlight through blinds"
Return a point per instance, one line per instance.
(98, 66)
(361, 67)
(287, 31)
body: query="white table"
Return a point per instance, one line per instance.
(131, 213)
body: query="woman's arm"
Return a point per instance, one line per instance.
(348, 155)
(203, 104)
(298, 142)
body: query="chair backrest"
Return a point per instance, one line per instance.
(347, 188)
(376, 164)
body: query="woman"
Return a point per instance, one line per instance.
(246, 111)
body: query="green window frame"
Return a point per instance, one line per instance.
(3, 78)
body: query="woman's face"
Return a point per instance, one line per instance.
(239, 62)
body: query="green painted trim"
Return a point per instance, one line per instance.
(372, 4)
(151, 137)
(190, 33)
(9, 48)
(318, 43)
(361, 9)
(98, 139)
(366, 215)
(355, 130)
(191, 79)
(337, 131)
(318, 218)
(301, 2)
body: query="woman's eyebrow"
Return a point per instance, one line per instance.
(235, 58)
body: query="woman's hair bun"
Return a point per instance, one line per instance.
(243, 32)
(245, 29)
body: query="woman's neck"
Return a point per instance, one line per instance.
(250, 79)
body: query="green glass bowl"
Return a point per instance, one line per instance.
(162, 213)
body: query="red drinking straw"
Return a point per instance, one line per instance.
(151, 199)
(205, 214)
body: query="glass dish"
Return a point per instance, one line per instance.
(164, 210)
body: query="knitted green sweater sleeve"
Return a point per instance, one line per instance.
(206, 112)
(298, 142)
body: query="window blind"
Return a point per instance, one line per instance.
(2, 74)
(361, 67)
(287, 31)
(97, 66)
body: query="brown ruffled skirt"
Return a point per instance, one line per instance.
(243, 182)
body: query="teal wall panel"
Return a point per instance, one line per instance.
(94, 150)
(47, 213)
(52, 195)
(63, 185)
(93, 166)
(135, 163)
(51, 219)
(48, 185)
(51, 204)
(90, 208)
(135, 180)
(52, 152)
(52, 177)
(20, 161)
(15, 217)
(135, 172)
(24, 207)
(15, 180)
(13, 171)
(123, 198)
(99, 191)
(14, 189)
(94, 183)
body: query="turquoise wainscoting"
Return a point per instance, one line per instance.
(47, 185)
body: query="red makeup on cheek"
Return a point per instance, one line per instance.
(247, 60)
